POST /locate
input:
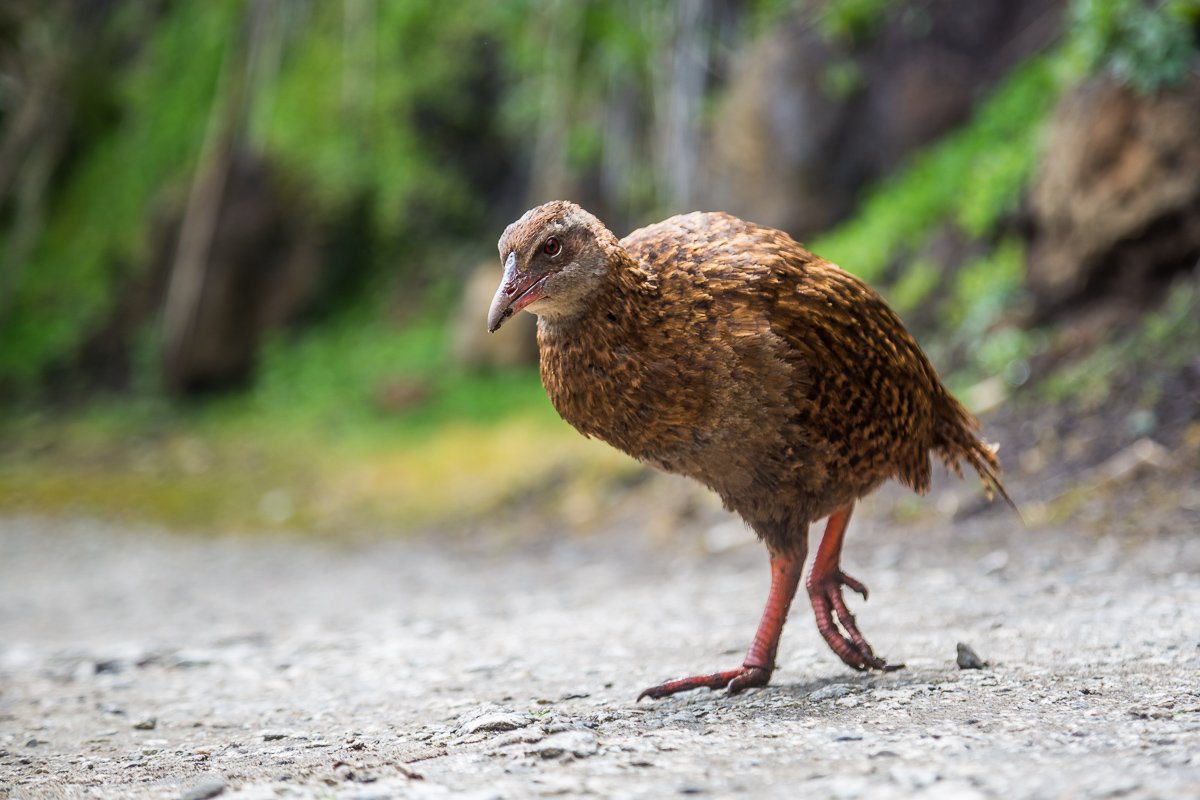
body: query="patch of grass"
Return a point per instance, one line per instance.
(917, 283)
(367, 378)
(983, 292)
(356, 425)
(232, 474)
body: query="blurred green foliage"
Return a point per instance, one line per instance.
(405, 112)
(98, 229)
(399, 113)
(840, 22)
(337, 379)
(975, 176)
(850, 21)
(970, 179)
(361, 92)
(397, 109)
(1148, 45)
(984, 290)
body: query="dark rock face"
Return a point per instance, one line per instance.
(1115, 207)
(792, 151)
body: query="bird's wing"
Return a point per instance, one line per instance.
(871, 392)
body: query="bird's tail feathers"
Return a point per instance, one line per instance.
(956, 439)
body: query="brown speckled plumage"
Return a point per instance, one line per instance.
(725, 351)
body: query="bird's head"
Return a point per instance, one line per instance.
(555, 256)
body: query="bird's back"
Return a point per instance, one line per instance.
(863, 404)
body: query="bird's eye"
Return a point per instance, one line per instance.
(552, 247)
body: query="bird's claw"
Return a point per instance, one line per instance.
(853, 584)
(846, 641)
(748, 678)
(733, 681)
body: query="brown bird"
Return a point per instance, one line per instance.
(725, 351)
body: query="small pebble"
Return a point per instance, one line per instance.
(578, 743)
(146, 724)
(968, 658)
(527, 736)
(495, 721)
(830, 692)
(206, 788)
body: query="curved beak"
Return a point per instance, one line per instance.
(516, 291)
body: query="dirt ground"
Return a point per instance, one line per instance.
(142, 664)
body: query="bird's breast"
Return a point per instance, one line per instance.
(675, 399)
(635, 395)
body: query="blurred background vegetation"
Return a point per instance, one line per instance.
(238, 240)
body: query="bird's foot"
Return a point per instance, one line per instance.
(733, 681)
(849, 644)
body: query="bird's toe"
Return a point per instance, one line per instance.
(734, 680)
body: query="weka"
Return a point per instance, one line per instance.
(725, 351)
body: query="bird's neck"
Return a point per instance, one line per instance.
(624, 298)
(593, 362)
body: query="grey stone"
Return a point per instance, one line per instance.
(578, 743)
(522, 736)
(495, 721)
(968, 658)
(830, 692)
(207, 787)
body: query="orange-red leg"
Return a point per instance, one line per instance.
(760, 658)
(824, 585)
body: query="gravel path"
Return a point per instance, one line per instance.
(139, 664)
